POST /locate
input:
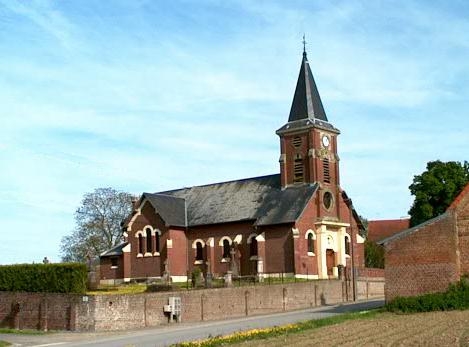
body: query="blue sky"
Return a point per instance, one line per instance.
(153, 95)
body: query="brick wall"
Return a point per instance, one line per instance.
(117, 312)
(369, 272)
(38, 311)
(424, 261)
(462, 216)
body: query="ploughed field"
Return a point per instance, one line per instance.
(385, 329)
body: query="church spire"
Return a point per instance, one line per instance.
(306, 102)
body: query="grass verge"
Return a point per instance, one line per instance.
(259, 334)
(4, 344)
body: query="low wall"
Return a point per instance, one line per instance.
(118, 312)
(369, 272)
(370, 288)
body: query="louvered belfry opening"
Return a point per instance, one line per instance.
(326, 170)
(298, 169)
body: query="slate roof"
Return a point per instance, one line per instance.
(306, 101)
(258, 199)
(306, 110)
(117, 250)
(171, 208)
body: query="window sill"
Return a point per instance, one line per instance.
(225, 260)
(139, 255)
(198, 262)
(148, 255)
(347, 255)
(114, 267)
(311, 254)
(156, 254)
(254, 257)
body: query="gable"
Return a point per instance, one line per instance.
(461, 202)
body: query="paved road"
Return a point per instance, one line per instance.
(167, 335)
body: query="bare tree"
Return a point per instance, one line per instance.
(98, 224)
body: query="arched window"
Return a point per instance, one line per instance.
(226, 248)
(253, 247)
(149, 240)
(140, 243)
(347, 245)
(310, 243)
(157, 241)
(199, 251)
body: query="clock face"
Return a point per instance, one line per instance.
(325, 141)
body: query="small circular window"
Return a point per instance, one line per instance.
(327, 200)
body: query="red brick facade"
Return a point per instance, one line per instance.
(299, 223)
(428, 257)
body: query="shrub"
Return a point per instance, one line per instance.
(455, 298)
(51, 278)
(159, 287)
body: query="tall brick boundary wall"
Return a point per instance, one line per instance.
(42, 311)
(117, 312)
(425, 261)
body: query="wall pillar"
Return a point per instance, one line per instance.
(261, 253)
(210, 251)
(341, 259)
(321, 239)
(126, 263)
(296, 251)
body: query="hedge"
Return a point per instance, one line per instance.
(455, 298)
(51, 278)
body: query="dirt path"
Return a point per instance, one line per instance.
(422, 329)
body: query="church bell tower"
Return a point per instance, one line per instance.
(308, 142)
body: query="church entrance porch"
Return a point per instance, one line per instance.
(331, 238)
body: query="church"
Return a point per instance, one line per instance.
(298, 222)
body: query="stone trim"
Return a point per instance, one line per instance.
(220, 243)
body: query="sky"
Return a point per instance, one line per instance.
(145, 96)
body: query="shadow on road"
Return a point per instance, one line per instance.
(359, 306)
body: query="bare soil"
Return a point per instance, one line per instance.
(386, 329)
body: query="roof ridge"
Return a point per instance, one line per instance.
(214, 184)
(413, 229)
(459, 197)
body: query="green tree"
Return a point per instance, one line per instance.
(436, 188)
(374, 255)
(98, 224)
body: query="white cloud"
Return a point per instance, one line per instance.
(153, 96)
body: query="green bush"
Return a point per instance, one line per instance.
(51, 278)
(455, 298)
